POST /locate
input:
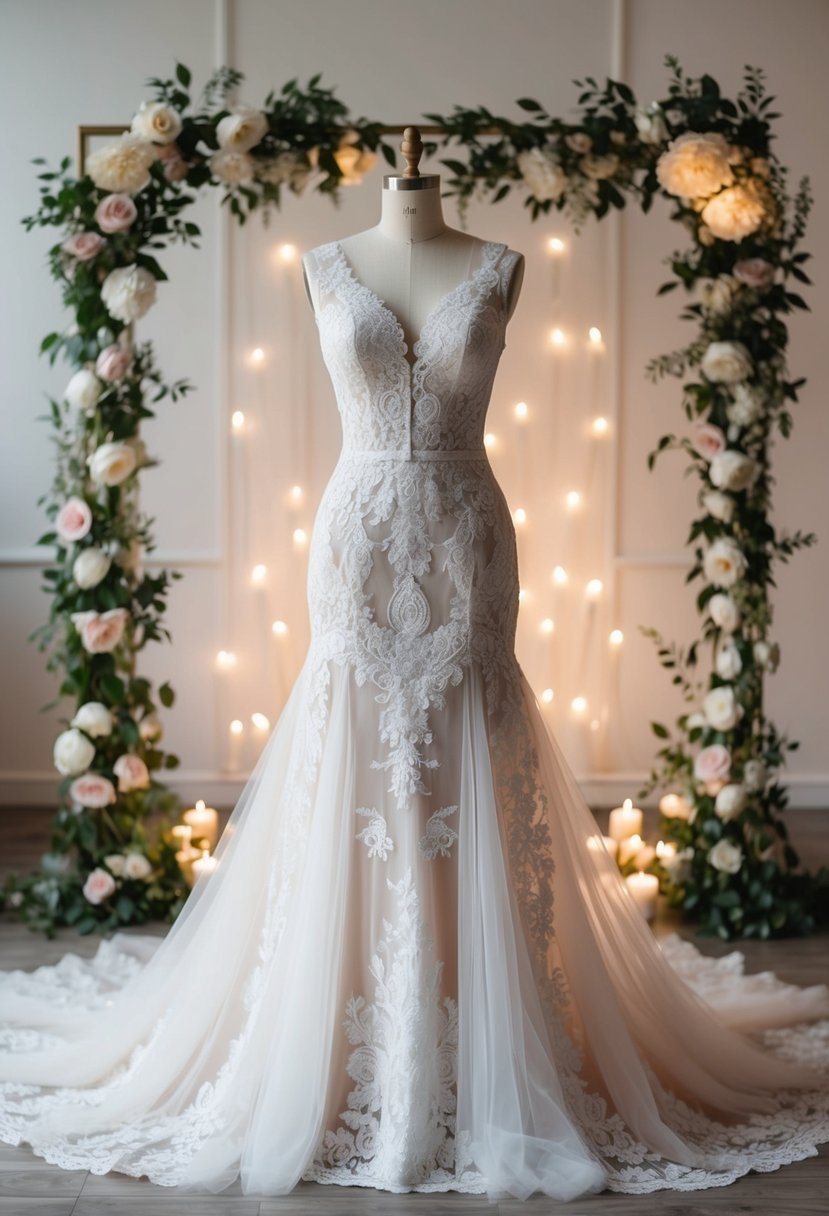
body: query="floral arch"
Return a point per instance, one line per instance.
(725, 859)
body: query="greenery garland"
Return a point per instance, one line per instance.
(113, 855)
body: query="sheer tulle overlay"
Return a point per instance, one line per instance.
(415, 966)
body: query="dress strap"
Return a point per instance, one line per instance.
(505, 265)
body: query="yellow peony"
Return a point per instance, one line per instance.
(736, 212)
(695, 165)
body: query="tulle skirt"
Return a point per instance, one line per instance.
(459, 995)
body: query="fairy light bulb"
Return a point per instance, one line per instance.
(600, 426)
(489, 439)
(595, 335)
(237, 420)
(279, 628)
(593, 589)
(547, 695)
(579, 705)
(519, 516)
(556, 245)
(559, 576)
(236, 727)
(300, 536)
(522, 594)
(558, 337)
(547, 625)
(286, 252)
(296, 493)
(257, 355)
(616, 637)
(225, 659)
(258, 574)
(521, 411)
(260, 721)
(573, 500)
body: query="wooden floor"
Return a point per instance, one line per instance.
(31, 1187)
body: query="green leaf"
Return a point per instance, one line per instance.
(166, 695)
(183, 75)
(527, 103)
(113, 688)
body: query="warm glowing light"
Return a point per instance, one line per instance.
(573, 500)
(260, 721)
(558, 337)
(556, 245)
(616, 637)
(279, 627)
(521, 411)
(226, 659)
(257, 355)
(296, 493)
(600, 426)
(547, 695)
(579, 705)
(489, 439)
(547, 625)
(287, 252)
(259, 573)
(237, 420)
(236, 727)
(519, 515)
(593, 588)
(595, 335)
(559, 575)
(522, 594)
(299, 536)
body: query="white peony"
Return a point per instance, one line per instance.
(716, 294)
(695, 719)
(733, 470)
(94, 718)
(90, 567)
(150, 728)
(650, 123)
(72, 753)
(695, 165)
(123, 166)
(728, 662)
(128, 292)
(111, 463)
(720, 505)
(231, 167)
(156, 121)
(726, 362)
(242, 129)
(726, 857)
(747, 406)
(724, 612)
(724, 563)
(543, 175)
(136, 865)
(767, 655)
(755, 775)
(721, 708)
(600, 167)
(730, 801)
(114, 862)
(83, 390)
(734, 213)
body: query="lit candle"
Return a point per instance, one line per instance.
(625, 820)
(611, 845)
(644, 857)
(674, 806)
(644, 888)
(204, 821)
(629, 847)
(184, 859)
(182, 833)
(665, 850)
(204, 865)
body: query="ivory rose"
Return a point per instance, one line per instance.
(716, 294)
(83, 246)
(72, 752)
(90, 567)
(543, 175)
(112, 463)
(98, 886)
(728, 662)
(123, 166)
(726, 362)
(242, 130)
(720, 505)
(128, 292)
(721, 708)
(695, 165)
(92, 790)
(730, 801)
(767, 655)
(708, 439)
(113, 362)
(136, 865)
(115, 213)
(83, 390)
(724, 563)
(724, 612)
(733, 470)
(74, 519)
(156, 121)
(132, 773)
(93, 718)
(726, 856)
(713, 763)
(734, 213)
(747, 406)
(599, 167)
(115, 863)
(150, 728)
(100, 631)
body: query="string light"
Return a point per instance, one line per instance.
(286, 252)
(558, 337)
(279, 628)
(237, 420)
(260, 721)
(296, 493)
(593, 589)
(595, 335)
(600, 426)
(236, 727)
(519, 516)
(547, 625)
(556, 245)
(547, 695)
(573, 500)
(521, 411)
(522, 594)
(299, 536)
(489, 439)
(257, 355)
(579, 705)
(259, 573)
(560, 575)
(226, 659)
(616, 637)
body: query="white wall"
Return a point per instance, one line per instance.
(395, 61)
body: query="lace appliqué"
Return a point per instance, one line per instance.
(439, 836)
(375, 834)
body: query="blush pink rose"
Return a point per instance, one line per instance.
(754, 272)
(101, 631)
(113, 362)
(74, 519)
(84, 245)
(115, 213)
(713, 763)
(708, 440)
(92, 790)
(99, 886)
(174, 165)
(132, 773)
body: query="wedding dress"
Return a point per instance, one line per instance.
(415, 966)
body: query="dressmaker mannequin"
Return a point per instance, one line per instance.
(411, 259)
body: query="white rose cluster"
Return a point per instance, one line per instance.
(543, 175)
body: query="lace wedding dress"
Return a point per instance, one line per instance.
(415, 966)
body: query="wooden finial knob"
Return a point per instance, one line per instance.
(412, 149)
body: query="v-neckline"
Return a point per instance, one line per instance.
(416, 348)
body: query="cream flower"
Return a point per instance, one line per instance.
(713, 763)
(724, 563)
(747, 406)
(719, 505)
(755, 272)
(732, 470)
(650, 124)
(74, 519)
(93, 718)
(728, 662)
(132, 773)
(92, 790)
(734, 213)
(112, 463)
(100, 631)
(83, 390)
(721, 708)
(136, 865)
(150, 728)
(123, 166)
(243, 129)
(708, 439)
(726, 362)
(128, 292)
(599, 167)
(724, 612)
(767, 655)
(232, 167)
(90, 566)
(716, 294)
(72, 753)
(156, 121)
(113, 362)
(726, 856)
(730, 801)
(543, 175)
(695, 165)
(99, 886)
(115, 863)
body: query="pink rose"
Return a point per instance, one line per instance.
(98, 886)
(113, 362)
(74, 519)
(84, 245)
(713, 763)
(175, 166)
(579, 141)
(101, 631)
(132, 773)
(92, 790)
(754, 272)
(115, 213)
(708, 440)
